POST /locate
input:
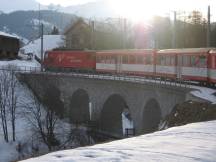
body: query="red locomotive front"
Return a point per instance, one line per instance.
(84, 60)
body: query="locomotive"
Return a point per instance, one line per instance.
(194, 64)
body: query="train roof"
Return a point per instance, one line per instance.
(123, 51)
(187, 50)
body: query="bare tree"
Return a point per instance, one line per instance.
(4, 91)
(43, 119)
(12, 100)
(8, 100)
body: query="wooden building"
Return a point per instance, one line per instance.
(78, 36)
(93, 35)
(9, 46)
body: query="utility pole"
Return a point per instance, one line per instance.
(42, 46)
(208, 28)
(39, 18)
(92, 35)
(41, 33)
(174, 32)
(124, 32)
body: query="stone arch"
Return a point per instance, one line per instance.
(111, 115)
(151, 116)
(79, 107)
(51, 99)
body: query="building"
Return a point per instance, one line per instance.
(85, 34)
(78, 36)
(9, 46)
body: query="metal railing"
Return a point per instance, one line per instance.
(126, 77)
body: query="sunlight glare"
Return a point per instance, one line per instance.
(142, 10)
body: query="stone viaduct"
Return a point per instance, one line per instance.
(103, 100)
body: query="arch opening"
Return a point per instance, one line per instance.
(52, 100)
(79, 107)
(115, 116)
(151, 116)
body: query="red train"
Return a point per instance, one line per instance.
(196, 64)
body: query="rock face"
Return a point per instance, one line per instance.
(191, 112)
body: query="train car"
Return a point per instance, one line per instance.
(187, 64)
(212, 66)
(166, 64)
(135, 62)
(83, 60)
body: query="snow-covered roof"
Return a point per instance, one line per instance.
(191, 143)
(49, 42)
(8, 35)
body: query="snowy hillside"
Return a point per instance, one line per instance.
(50, 42)
(189, 143)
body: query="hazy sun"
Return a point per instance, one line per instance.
(142, 10)
(135, 9)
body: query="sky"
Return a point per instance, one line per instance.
(65, 2)
(139, 9)
(132, 9)
(180, 3)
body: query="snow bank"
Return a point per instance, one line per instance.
(207, 94)
(50, 42)
(190, 143)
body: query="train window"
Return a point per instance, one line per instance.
(186, 60)
(163, 60)
(112, 61)
(103, 58)
(148, 59)
(132, 59)
(172, 61)
(125, 59)
(108, 58)
(194, 61)
(167, 58)
(203, 61)
(140, 59)
(100, 59)
(97, 59)
(158, 60)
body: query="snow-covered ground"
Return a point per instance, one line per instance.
(50, 42)
(22, 64)
(189, 143)
(8, 151)
(24, 134)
